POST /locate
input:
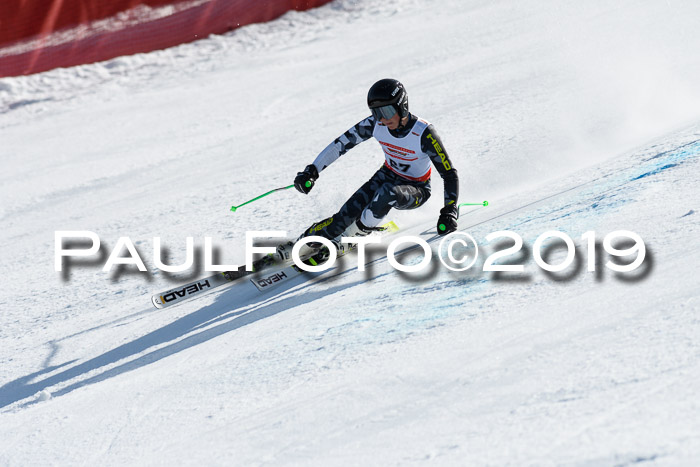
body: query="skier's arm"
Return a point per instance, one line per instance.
(432, 145)
(362, 131)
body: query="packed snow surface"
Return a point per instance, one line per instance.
(565, 115)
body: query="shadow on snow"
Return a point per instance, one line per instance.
(252, 309)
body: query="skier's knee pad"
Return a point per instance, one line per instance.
(409, 197)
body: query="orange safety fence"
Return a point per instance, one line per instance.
(39, 35)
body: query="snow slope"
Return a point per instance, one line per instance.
(565, 115)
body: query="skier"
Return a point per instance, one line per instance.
(410, 144)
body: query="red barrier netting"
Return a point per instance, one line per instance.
(36, 35)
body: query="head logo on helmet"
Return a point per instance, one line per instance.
(386, 98)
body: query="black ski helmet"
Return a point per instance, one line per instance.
(387, 93)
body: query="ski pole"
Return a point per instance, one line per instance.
(485, 203)
(233, 208)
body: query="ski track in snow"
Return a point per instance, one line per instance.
(541, 115)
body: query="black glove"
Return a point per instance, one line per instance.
(447, 223)
(304, 181)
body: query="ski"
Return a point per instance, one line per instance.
(263, 282)
(207, 285)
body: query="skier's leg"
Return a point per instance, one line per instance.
(394, 196)
(350, 211)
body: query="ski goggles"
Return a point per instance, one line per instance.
(384, 112)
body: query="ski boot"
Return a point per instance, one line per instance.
(312, 249)
(307, 251)
(358, 229)
(317, 253)
(322, 253)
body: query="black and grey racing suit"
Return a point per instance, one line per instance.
(401, 183)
